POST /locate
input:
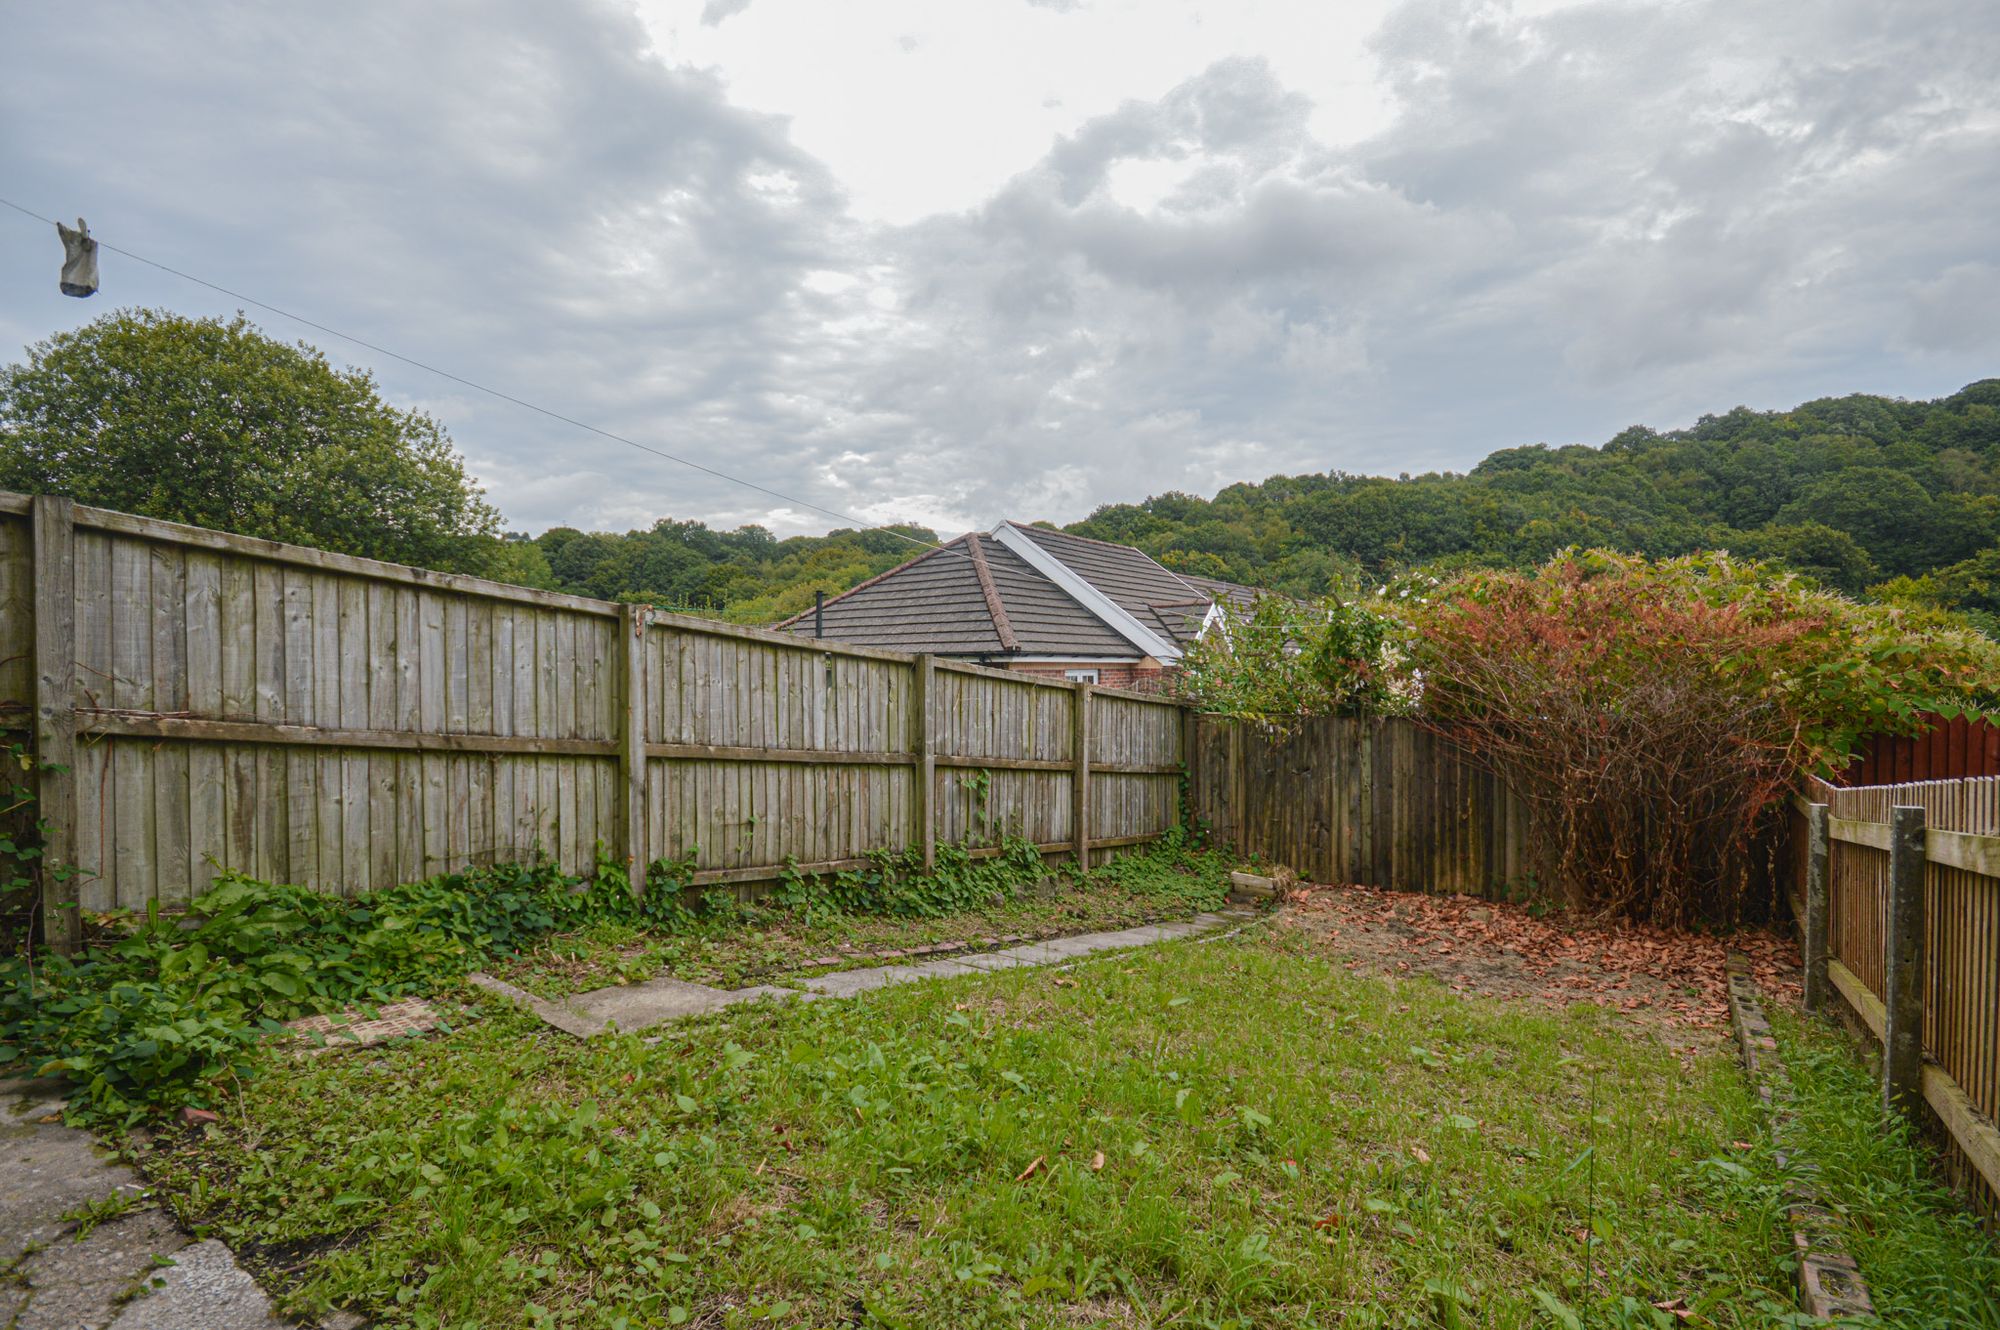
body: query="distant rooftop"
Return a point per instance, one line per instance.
(1027, 591)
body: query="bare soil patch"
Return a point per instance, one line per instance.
(1672, 983)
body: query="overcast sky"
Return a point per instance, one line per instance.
(952, 262)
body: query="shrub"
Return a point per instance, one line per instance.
(1653, 714)
(150, 1020)
(1284, 658)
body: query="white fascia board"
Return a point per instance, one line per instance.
(1105, 608)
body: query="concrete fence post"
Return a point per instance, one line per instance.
(1817, 864)
(1903, 996)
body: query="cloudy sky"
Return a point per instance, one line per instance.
(948, 262)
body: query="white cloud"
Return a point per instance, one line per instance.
(1048, 259)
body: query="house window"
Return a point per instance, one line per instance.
(1080, 676)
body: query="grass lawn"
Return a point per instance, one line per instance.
(1925, 1258)
(1232, 1133)
(758, 946)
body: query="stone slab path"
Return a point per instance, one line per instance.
(135, 1270)
(640, 1006)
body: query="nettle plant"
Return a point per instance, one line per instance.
(1654, 714)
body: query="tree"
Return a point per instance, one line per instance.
(211, 422)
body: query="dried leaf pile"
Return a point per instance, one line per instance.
(1675, 981)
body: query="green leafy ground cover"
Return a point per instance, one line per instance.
(167, 1011)
(1233, 1133)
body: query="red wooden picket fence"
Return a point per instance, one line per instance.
(1953, 749)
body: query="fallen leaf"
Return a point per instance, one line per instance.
(1330, 1220)
(1034, 1167)
(1421, 1155)
(1097, 1162)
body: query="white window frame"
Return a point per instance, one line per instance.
(1080, 676)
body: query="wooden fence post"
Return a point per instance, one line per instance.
(1080, 783)
(55, 718)
(1817, 848)
(1190, 809)
(633, 842)
(923, 742)
(1903, 995)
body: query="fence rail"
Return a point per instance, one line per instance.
(1371, 800)
(212, 700)
(1900, 897)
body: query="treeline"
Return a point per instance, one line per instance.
(746, 575)
(1872, 496)
(1869, 495)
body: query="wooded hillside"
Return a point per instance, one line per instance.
(1898, 499)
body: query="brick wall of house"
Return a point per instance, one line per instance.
(1141, 675)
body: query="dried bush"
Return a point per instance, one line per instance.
(1654, 714)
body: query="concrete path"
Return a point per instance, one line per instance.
(133, 1271)
(640, 1006)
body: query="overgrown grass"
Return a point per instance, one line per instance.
(1229, 1134)
(166, 1011)
(1925, 1257)
(808, 923)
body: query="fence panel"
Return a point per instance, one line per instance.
(17, 613)
(977, 717)
(1370, 800)
(1136, 763)
(346, 724)
(1961, 994)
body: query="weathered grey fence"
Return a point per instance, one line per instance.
(1377, 801)
(346, 724)
(1904, 931)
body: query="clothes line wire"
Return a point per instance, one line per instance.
(523, 403)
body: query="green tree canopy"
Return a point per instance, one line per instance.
(209, 421)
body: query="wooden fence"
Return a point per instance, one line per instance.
(1899, 894)
(1377, 801)
(218, 701)
(1948, 749)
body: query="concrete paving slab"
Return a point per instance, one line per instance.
(637, 1006)
(641, 1006)
(846, 983)
(72, 1283)
(559, 1014)
(941, 969)
(993, 961)
(48, 1170)
(775, 992)
(204, 1290)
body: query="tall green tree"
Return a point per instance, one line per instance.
(209, 421)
